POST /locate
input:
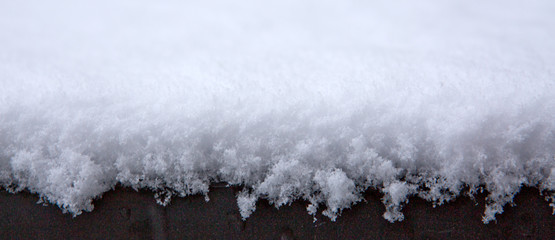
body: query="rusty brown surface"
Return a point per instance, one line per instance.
(126, 214)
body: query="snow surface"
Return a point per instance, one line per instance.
(315, 100)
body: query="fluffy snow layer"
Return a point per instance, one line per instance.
(315, 100)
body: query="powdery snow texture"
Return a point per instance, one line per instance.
(314, 100)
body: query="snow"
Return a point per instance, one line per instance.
(313, 100)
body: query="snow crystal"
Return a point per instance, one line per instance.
(291, 100)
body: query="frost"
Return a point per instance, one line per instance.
(338, 191)
(246, 203)
(71, 180)
(395, 194)
(289, 100)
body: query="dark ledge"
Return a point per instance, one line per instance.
(126, 214)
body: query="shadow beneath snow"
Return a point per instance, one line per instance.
(126, 214)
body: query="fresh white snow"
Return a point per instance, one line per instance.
(315, 100)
